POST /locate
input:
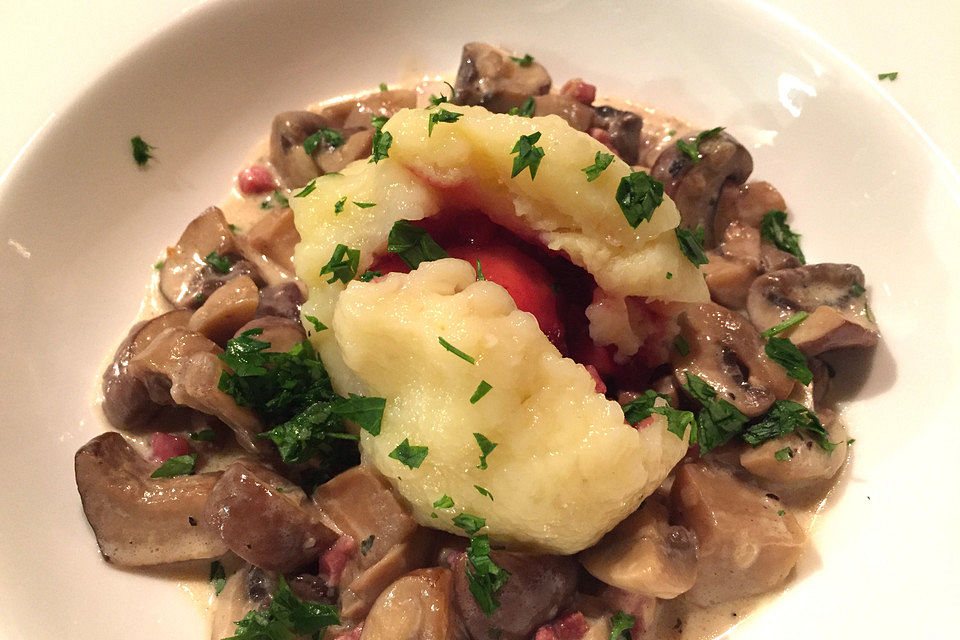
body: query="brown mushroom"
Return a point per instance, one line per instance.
(578, 115)
(186, 279)
(281, 333)
(727, 352)
(695, 185)
(748, 542)
(181, 367)
(275, 236)
(808, 463)
(248, 589)
(139, 520)
(126, 401)
(289, 129)
(624, 128)
(539, 587)
(265, 519)
(227, 309)
(416, 607)
(489, 77)
(645, 554)
(832, 294)
(384, 104)
(282, 300)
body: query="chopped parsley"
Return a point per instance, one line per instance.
(159, 264)
(446, 502)
(856, 290)
(367, 412)
(383, 86)
(783, 454)
(308, 433)
(441, 115)
(681, 345)
(891, 76)
(343, 264)
(141, 150)
(792, 321)
(600, 162)
(332, 137)
(364, 205)
(483, 492)
(307, 190)
(275, 199)
(287, 617)
(317, 325)
(669, 276)
(638, 195)
(620, 625)
(788, 356)
(452, 349)
(381, 145)
(692, 149)
(469, 523)
(486, 447)
(774, 229)
(691, 244)
(368, 275)
(643, 407)
(204, 435)
(718, 421)
(525, 61)
(366, 544)
(484, 577)
(781, 513)
(176, 466)
(480, 276)
(436, 100)
(525, 110)
(220, 264)
(528, 155)
(218, 577)
(338, 206)
(482, 389)
(377, 122)
(784, 417)
(408, 455)
(413, 244)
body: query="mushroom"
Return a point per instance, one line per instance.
(139, 520)
(126, 401)
(227, 309)
(416, 607)
(695, 185)
(727, 352)
(289, 129)
(624, 129)
(748, 543)
(357, 113)
(265, 519)
(275, 235)
(641, 606)
(832, 294)
(578, 115)
(808, 465)
(282, 333)
(645, 554)
(282, 300)
(186, 279)
(746, 204)
(247, 589)
(180, 366)
(489, 77)
(539, 587)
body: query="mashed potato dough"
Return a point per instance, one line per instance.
(566, 468)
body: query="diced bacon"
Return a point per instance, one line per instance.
(352, 634)
(603, 136)
(570, 626)
(167, 445)
(334, 559)
(255, 179)
(592, 370)
(546, 632)
(580, 91)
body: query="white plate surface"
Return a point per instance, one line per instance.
(81, 227)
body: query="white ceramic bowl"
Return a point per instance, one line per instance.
(81, 226)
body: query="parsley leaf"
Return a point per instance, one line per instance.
(275, 199)
(774, 229)
(243, 354)
(317, 325)
(367, 412)
(367, 276)
(366, 544)
(332, 137)
(638, 195)
(343, 264)
(204, 435)
(681, 345)
(381, 145)
(788, 356)
(220, 264)
(307, 190)
(787, 416)
(643, 407)
(364, 205)
(484, 577)
(218, 577)
(410, 456)
(481, 391)
(888, 76)
(620, 625)
(600, 162)
(718, 421)
(692, 150)
(441, 115)
(480, 276)
(469, 523)
(525, 110)
(177, 466)
(783, 454)
(486, 447)
(483, 492)
(383, 86)
(856, 290)
(306, 434)
(792, 321)
(413, 245)
(288, 617)
(528, 155)
(377, 122)
(525, 61)
(691, 244)
(446, 502)
(141, 150)
(338, 206)
(457, 352)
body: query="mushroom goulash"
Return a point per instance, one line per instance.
(482, 360)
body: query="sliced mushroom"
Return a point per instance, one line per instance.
(624, 128)
(539, 588)
(227, 309)
(265, 519)
(281, 333)
(379, 103)
(746, 204)
(748, 543)
(695, 186)
(609, 599)
(728, 279)
(282, 300)
(248, 589)
(727, 352)
(645, 554)
(832, 294)
(126, 401)
(180, 366)
(578, 115)
(490, 78)
(358, 144)
(416, 607)
(293, 164)
(275, 236)
(139, 520)
(186, 279)
(808, 463)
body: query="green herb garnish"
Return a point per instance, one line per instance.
(484, 577)
(525, 110)
(307, 190)
(413, 245)
(692, 150)
(441, 115)
(483, 492)
(457, 352)
(486, 447)
(367, 412)
(446, 502)
(784, 417)
(469, 523)
(204, 435)
(410, 456)
(366, 544)
(481, 391)
(783, 454)
(891, 76)
(317, 325)
(643, 407)
(141, 150)
(332, 137)
(638, 195)
(792, 321)
(774, 229)
(176, 466)
(691, 244)
(218, 577)
(788, 356)
(220, 264)
(367, 276)
(343, 264)
(528, 155)
(600, 162)
(287, 617)
(381, 145)
(620, 625)
(525, 61)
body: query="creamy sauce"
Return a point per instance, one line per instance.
(676, 619)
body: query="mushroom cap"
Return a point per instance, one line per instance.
(417, 605)
(488, 77)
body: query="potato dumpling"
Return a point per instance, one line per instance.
(566, 468)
